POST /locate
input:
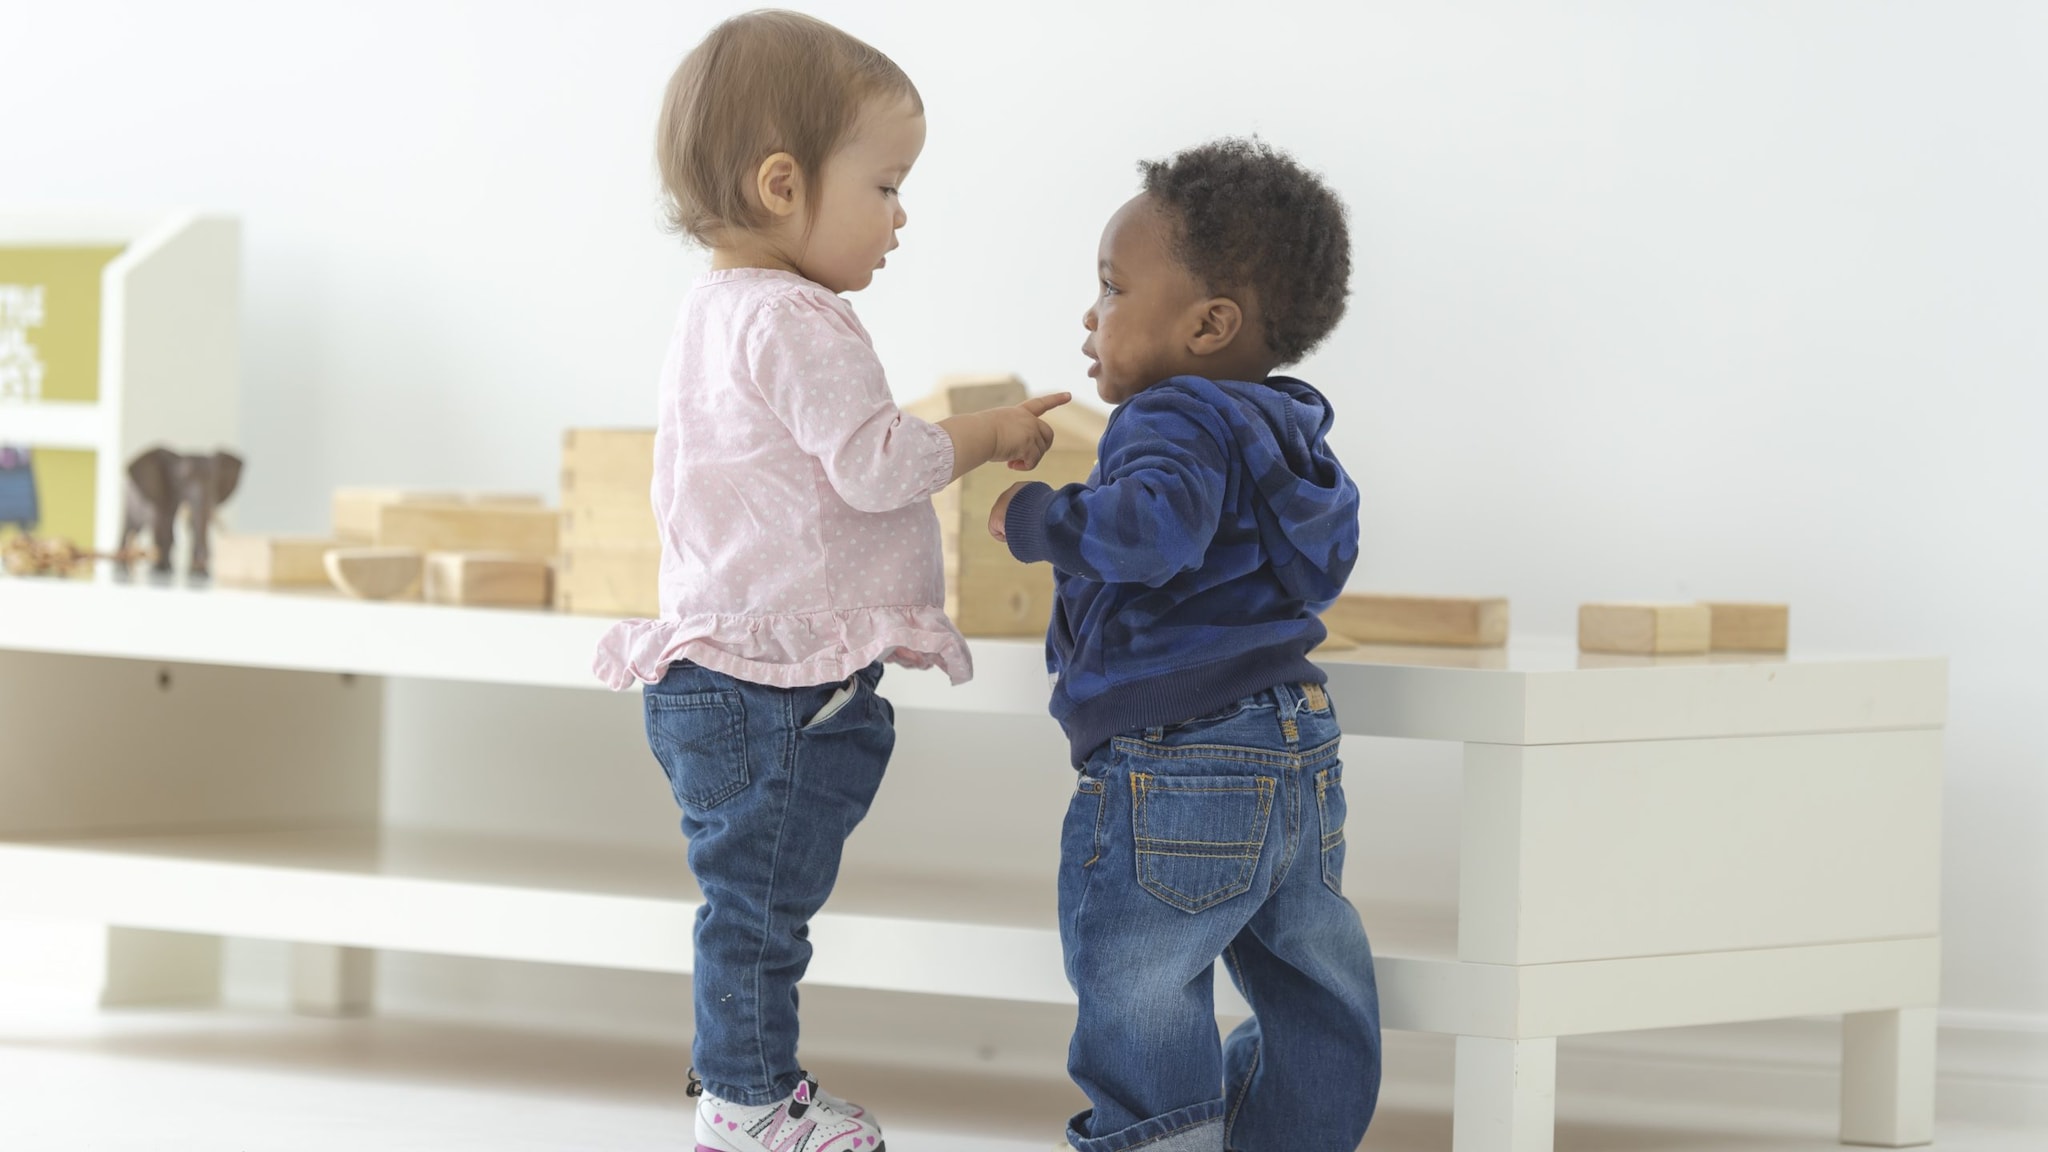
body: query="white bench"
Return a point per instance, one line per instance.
(1646, 843)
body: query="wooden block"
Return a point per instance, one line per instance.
(489, 579)
(1645, 629)
(443, 527)
(616, 581)
(606, 465)
(377, 573)
(1440, 620)
(980, 393)
(959, 395)
(356, 509)
(1749, 627)
(988, 593)
(627, 521)
(272, 561)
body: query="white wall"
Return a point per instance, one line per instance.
(1652, 299)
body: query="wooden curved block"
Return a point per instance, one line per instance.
(377, 573)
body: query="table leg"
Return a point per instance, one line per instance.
(330, 980)
(146, 968)
(1888, 1077)
(1506, 1095)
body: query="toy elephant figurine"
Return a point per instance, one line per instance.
(160, 482)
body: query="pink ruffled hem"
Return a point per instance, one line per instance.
(792, 650)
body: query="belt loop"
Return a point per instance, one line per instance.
(1155, 734)
(1286, 698)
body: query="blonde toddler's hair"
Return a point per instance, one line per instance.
(761, 83)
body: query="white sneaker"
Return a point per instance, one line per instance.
(845, 1107)
(804, 1122)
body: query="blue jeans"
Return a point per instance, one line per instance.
(1221, 837)
(769, 796)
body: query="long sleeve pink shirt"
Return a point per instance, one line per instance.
(799, 543)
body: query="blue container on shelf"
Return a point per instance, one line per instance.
(18, 490)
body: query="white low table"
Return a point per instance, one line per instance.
(1646, 843)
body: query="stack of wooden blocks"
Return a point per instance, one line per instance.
(272, 561)
(482, 550)
(988, 593)
(1659, 629)
(610, 562)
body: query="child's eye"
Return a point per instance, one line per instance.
(888, 191)
(1108, 289)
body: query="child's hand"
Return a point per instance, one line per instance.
(1000, 514)
(1014, 434)
(1021, 437)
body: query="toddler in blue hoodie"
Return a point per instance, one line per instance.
(1208, 819)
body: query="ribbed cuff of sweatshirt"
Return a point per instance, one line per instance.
(1024, 523)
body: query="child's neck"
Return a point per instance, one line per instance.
(754, 254)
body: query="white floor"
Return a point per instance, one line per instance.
(225, 1080)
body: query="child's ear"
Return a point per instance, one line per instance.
(779, 185)
(1218, 320)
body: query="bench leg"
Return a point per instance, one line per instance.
(1506, 1095)
(329, 980)
(152, 969)
(1888, 1077)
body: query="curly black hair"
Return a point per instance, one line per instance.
(1250, 217)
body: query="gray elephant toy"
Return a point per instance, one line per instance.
(160, 482)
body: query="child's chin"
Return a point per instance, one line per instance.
(843, 282)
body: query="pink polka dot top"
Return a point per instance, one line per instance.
(798, 539)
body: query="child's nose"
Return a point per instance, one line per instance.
(1088, 318)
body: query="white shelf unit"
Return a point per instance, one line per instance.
(1646, 842)
(52, 424)
(169, 345)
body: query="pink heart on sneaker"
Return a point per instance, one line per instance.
(718, 1119)
(732, 1125)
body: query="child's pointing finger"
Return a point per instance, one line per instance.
(1040, 405)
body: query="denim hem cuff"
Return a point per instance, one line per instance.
(751, 1098)
(1197, 1128)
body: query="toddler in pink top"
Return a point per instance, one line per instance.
(799, 546)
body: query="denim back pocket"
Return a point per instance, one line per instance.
(1199, 838)
(1330, 810)
(701, 740)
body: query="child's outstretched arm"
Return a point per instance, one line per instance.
(817, 372)
(1148, 517)
(824, 383)
(1015, 434)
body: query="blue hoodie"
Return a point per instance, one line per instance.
(1193, 564)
